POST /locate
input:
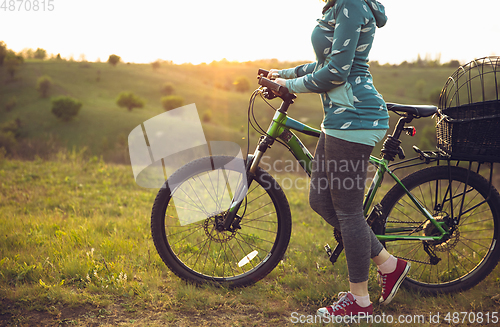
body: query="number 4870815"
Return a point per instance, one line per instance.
(27, 5)
(471, 317)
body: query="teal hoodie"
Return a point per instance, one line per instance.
(342, 40)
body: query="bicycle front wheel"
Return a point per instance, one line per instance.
(448, 193)
(197, 249)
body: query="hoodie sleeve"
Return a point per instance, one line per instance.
(348, 24)
(298, 71)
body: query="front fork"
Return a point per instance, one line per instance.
(231, 220)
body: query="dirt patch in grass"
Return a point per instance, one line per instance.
(117, 315)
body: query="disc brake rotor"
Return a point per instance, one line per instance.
(441, 246)
(212, 227)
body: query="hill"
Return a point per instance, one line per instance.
(102, 127)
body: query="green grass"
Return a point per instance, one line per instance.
(102, 126)
(75, 249)
(75, 245)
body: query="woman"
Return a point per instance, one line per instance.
(355, 119)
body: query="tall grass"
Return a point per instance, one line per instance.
(75, 248)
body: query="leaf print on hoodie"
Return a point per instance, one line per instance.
(342, 41)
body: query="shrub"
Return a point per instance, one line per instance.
(171, 102)
(12, 126)
(155, 65)
(7, 142)
(129, 100)
(12, 62)
(65, 108)
(43, 85)
(242, 84)
(3, 52)
(114, 59)
(168, 89)
(207, 116)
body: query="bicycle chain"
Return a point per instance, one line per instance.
(403, 222)
(439, 248)
(414, 260)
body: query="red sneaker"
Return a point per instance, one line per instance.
(390, 282)
(345, 306)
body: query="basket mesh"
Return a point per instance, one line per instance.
(468, 123)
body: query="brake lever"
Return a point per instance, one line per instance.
(268, 94)
(279, 89)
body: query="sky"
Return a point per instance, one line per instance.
(202, 31)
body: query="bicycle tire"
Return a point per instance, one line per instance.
(472, 251)
(197, 252)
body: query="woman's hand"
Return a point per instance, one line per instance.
(273, 74)
(280, 81)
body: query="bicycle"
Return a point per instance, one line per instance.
(444, 219)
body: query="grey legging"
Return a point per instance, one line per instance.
(336, 193)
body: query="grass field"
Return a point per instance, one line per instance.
(75, 249)
(75, 244)
(103, 127)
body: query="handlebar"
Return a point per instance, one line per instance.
(280, 90)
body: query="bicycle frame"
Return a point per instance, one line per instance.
(281, 127)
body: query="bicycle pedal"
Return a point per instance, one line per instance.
(336, 253)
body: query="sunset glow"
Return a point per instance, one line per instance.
(203, 31)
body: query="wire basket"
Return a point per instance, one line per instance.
(468, 121)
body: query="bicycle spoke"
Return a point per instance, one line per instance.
(469, 245)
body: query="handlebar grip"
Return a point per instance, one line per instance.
(263, 72)
(273, 86)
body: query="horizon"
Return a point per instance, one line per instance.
(83, 59)
(199, 31)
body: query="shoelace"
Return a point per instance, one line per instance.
(343, 302)
(381, 279)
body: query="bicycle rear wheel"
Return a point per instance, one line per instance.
(471, 252)
(195, 249)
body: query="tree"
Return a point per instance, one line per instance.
(43, 85)
(3, 52)
(114, 59)
(12, 62)
(65, 108)
(40, 54)
(453, 64)
(28, 53)
(171, 102)
(242, 84)
(155, 65)
(129, 100)
(168, 89)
